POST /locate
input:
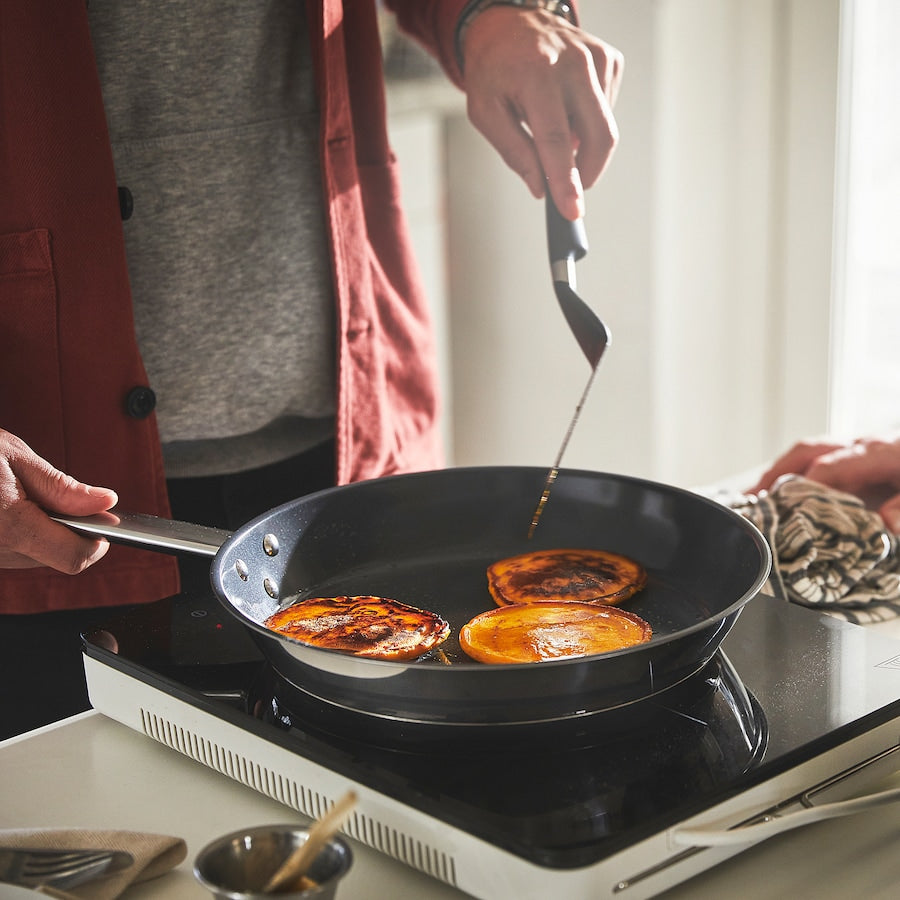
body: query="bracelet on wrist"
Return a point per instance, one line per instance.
(561, 8)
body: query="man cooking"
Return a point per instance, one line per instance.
(208, 303)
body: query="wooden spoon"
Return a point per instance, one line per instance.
(320, 832)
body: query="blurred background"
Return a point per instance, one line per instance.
(744, 245)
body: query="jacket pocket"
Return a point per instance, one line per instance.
(30, 385)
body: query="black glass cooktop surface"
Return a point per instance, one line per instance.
(788, 685)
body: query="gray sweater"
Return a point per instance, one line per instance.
(214, 125)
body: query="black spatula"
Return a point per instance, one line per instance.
(567, 243)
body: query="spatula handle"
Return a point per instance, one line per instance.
(566, 240)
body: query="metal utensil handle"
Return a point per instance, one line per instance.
(37, 867)
(566, 241)
(711, 836)
(154, 532)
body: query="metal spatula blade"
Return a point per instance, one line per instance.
(567, 242)
(592, 335)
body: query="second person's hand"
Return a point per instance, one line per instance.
(867, 467)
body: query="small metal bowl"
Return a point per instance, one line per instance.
(237, 866)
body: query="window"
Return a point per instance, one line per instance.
(865, 386)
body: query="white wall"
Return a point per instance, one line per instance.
(710, 255)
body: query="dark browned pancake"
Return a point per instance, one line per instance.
(374, 627)
(586, 576)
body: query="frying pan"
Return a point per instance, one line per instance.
(426, 539)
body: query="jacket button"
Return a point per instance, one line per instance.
(126, 203)
(140, 402)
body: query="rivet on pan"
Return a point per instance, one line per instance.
(241, 568)
(270, 545)
(271, 588)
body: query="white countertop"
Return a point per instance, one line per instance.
(92, 772)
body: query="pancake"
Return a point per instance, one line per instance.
(373, 627)
(543, 631)
(585, 576)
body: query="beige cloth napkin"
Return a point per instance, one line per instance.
(154, 855)
(829, 551)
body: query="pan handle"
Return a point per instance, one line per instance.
(773, 824)
(140, 530)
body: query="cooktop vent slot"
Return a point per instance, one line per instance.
(371, 832)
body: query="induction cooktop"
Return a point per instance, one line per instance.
(797, 709)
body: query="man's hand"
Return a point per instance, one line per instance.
(542, 92)
(867, 467)
(28, 537)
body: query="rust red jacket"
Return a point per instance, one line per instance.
(71, 376)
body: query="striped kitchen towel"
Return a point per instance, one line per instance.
(829, 551)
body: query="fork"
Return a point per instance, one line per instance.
(33, 867)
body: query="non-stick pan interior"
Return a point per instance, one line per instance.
(427, 540)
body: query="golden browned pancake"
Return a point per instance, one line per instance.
(587, 576)
(538, 632)
(374, 627)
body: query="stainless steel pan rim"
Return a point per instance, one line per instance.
(568, 718)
